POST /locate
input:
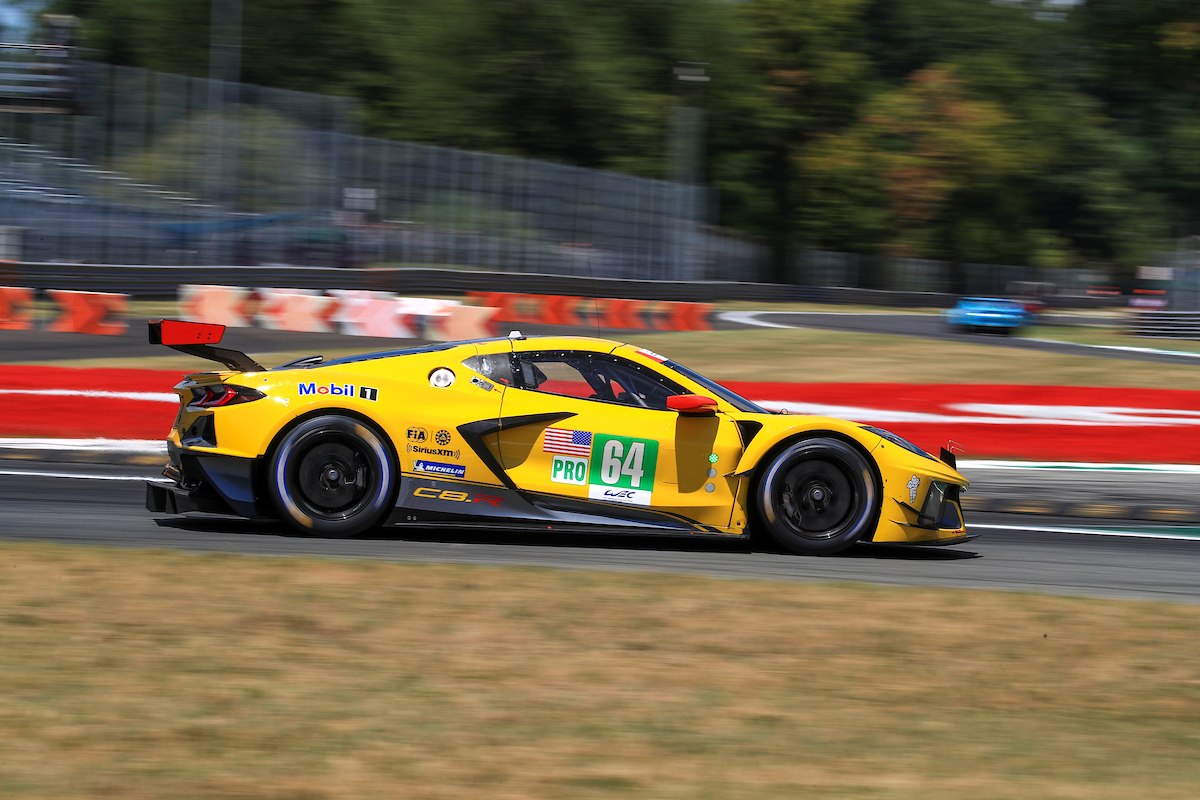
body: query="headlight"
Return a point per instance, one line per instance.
(898, 441)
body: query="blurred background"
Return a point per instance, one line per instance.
(960, 146)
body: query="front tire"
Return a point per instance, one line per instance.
(332, 476)
(818, 496)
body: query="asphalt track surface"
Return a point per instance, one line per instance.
(103, 506)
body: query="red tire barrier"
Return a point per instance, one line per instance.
(625, 314)
(231, 306)
(461, 322)
(16, 308)
(615, 313)
(297, 310)
(89, 312)
(362, 313)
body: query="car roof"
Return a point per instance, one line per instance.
(494, 344)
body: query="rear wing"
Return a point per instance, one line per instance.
(197, 339)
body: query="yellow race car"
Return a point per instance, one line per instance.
(551, 433)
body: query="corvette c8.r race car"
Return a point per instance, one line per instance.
(547, 433)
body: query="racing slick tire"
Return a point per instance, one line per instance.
(818, 496)
(332, 475)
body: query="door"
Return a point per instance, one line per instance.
(600, 441)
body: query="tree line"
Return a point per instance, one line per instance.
(973, 131)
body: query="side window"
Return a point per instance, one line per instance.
(594, 376)
(555, 376)
(632, 385)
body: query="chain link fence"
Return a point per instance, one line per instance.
(169, 169)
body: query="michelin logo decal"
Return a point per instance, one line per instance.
(437, 468)
(340, 390)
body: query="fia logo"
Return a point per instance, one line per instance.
(417, 435)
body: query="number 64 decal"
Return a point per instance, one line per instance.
(612, 467)
(623, 462)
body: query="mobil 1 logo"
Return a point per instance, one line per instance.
(622, 469)
(339, 390)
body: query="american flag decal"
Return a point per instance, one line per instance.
(568, 442)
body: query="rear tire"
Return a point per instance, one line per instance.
(818, 496)
(332, 476)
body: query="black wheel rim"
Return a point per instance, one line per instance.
(334, 477)
(817, 498)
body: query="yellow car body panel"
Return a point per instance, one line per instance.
(462, 428)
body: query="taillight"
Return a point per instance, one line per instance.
(222, 395)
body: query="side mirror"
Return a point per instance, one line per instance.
(691, 404)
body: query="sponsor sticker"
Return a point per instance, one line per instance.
(338, 390)
(438, 468)
(452, 496)
(622, 469)
(417, 435)
(913, 484)
(442, 437)
(653, 355)
(568, 469)
(433, 451)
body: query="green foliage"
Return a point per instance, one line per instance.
(1007, 131)
(275, 179)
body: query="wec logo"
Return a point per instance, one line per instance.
(339, 390)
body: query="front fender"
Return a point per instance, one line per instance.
(780, 429)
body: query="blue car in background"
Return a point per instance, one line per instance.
(994, 314)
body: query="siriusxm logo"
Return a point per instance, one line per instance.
(339, 390)
(437, 468)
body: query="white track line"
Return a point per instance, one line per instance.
(33, 474)
(1088, 531)
(1124, 348)
(146, 446)
(156, 397)
(1184, 469)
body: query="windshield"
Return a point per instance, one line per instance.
(733, 398)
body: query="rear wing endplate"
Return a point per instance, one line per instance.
(197, 339)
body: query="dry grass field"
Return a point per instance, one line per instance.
(147, 675)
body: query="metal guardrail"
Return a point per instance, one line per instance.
(1166, 324)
